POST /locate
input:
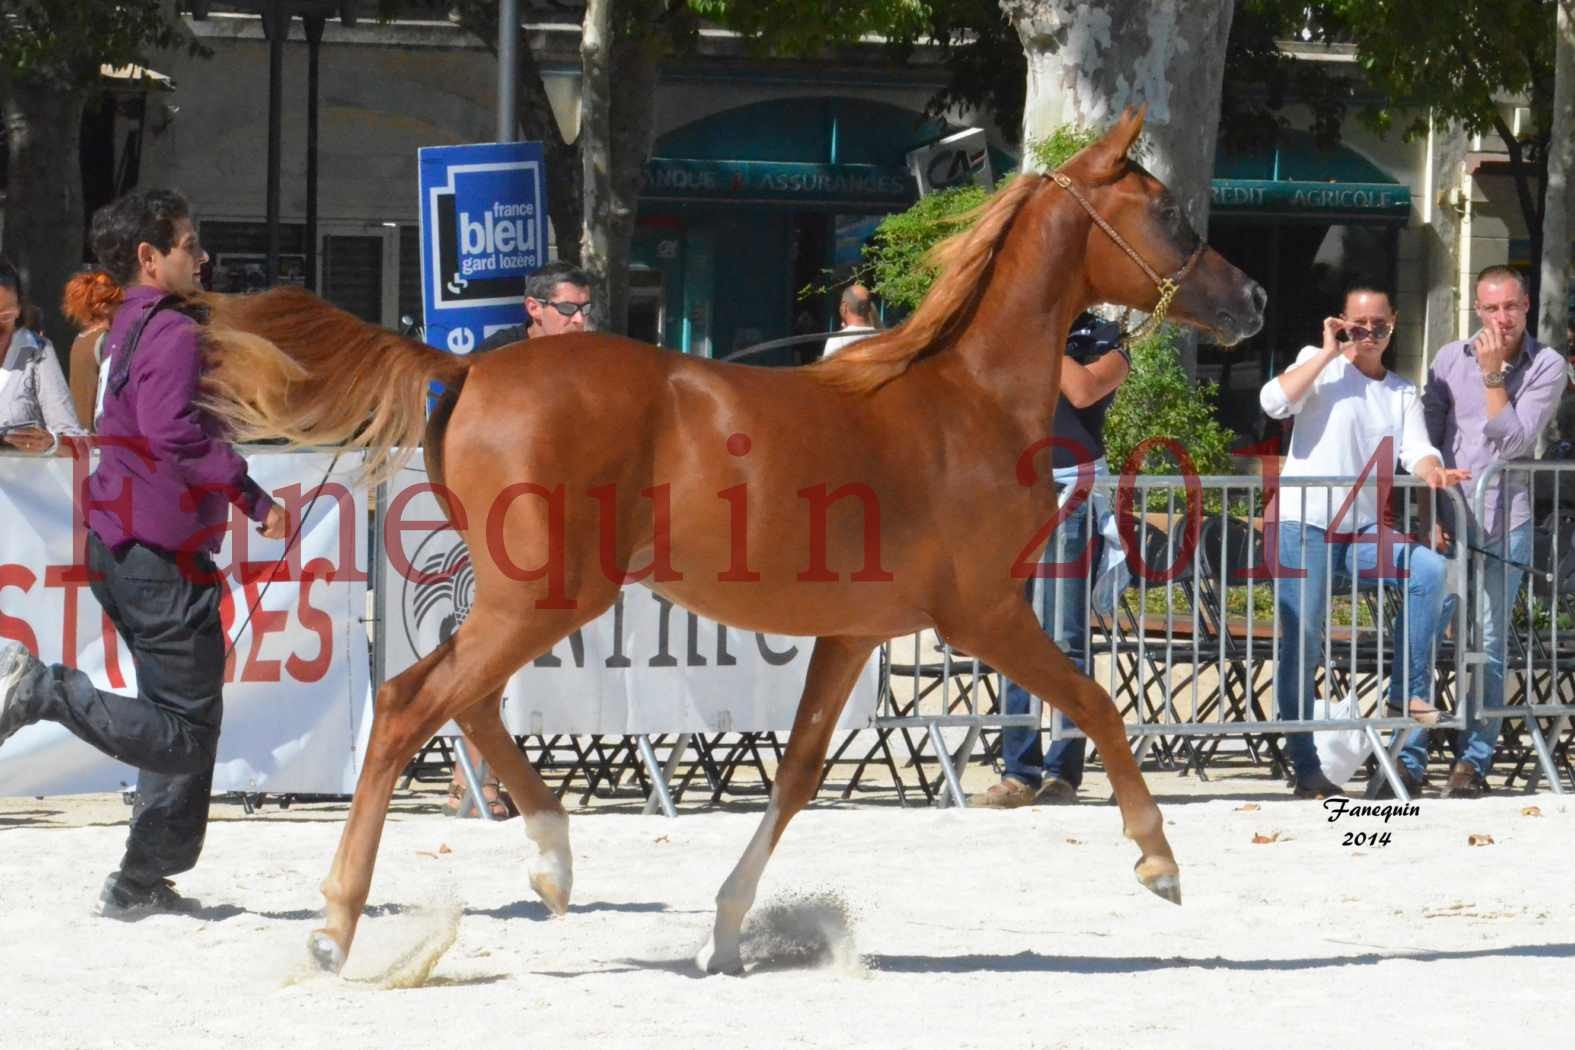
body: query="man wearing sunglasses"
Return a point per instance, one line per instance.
(1347, 405)
(1487, 401)
(556, 299)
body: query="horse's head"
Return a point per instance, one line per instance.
(1143, 253)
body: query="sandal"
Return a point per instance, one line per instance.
(498, 801)
(1419, 710)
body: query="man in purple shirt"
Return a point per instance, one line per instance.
(156, 510)
(1487, 401)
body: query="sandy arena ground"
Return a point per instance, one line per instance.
(876, 926)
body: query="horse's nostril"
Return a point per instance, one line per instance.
(1260, 298)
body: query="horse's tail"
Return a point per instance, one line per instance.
(283, 363)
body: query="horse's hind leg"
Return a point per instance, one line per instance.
(833, 670)
(546, 824)
(1010, 639)
(409, 709)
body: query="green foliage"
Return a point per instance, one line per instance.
(896, 264)
(1061, 145)
(62, 43)
(1455, 59)
(1159, 400)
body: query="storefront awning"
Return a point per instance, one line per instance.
(1295, 177)
(1389, 201)
(755, 181)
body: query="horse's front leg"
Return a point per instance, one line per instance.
(1010, 639)
(833, 669)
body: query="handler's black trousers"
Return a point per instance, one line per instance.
(169, 617)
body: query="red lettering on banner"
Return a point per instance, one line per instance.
(316, 621)
(395, 526)
(295, 506)
(22, 578)
(263, 622)
(71, 579)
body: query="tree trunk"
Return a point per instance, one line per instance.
(1442, 236)
(565, 205)
(1087, 61)
(43, 208)
(633, 132)
(1553, 313)
(596, 154)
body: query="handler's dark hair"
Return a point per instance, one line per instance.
(540, 285)
(141, 216)
(12, 279)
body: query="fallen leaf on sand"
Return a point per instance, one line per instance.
(1531, 811)
(444, 848)
(1479, 840)
(660, 839)
(1259, 839)
(1250, 807)
(1074, 842)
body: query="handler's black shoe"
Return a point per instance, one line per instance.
(128, 902)
(16, 662)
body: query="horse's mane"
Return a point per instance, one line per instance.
(963, 262)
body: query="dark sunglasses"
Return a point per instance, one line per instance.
(1361, 333)
(567, 309)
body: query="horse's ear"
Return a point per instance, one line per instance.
(1113, 148)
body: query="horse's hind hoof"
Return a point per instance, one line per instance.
(1166, 886)
(325, 951)
(713, 961)
(553, 894)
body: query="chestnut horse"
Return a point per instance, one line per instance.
(575, 464)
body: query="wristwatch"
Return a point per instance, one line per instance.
(1496, 379)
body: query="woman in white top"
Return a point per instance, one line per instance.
(1353, 416)
(35, 404)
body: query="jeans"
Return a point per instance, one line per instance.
(1021, 751)
(170, 729)
(1302, 604)
(1497, 587)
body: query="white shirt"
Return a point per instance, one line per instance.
(837, 342)
(1340, 424)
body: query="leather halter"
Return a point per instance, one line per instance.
(1168, 286)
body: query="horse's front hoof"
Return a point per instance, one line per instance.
(325, 951)
(1167, 886)
(554, 894)
(711, 960)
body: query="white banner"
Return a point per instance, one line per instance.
(643, 667)
(296, 686)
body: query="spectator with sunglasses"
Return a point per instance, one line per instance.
(1347, 405)
(35, 403)
(556, 298)
(1488, 399)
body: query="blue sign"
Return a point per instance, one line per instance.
(483, 230)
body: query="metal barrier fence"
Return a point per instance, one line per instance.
(1188, 652)
(1537, 633)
